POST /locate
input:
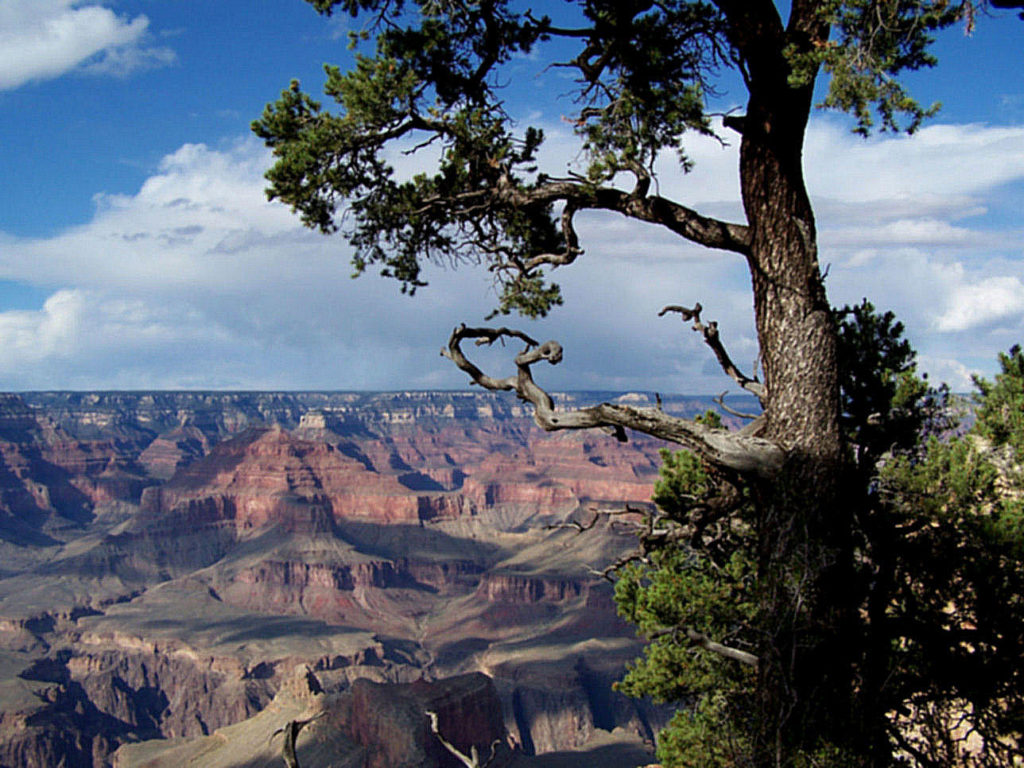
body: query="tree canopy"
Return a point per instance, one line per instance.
(643, 73)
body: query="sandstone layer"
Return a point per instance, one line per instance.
(170, 558)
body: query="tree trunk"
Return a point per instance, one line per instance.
(804, 557)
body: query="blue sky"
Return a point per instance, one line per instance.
(137, 249)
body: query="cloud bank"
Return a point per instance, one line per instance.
(197, 281)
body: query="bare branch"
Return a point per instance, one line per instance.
(572, 245)
(556, 31)
(744, 454)
(584, 195)
(701, 640)
(580, 527)
(720, 402)
(713, 340)
(598, 513)
(291, 731)
(472, 760)
(484, 336)
(736, 122)
(755, 427)
(622, 562)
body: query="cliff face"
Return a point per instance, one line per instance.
(389, 722)
(97, 693)
(169, 555)
(368, 725)
(66, 457)
(52, 483)
(260, 473)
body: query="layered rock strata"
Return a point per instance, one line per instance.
(169, 556)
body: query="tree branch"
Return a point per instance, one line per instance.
(713, 340)
(572, 244)
(686, 222)
(701, 640)
(744, 454)
(720, 402)
(291, 731)
(598, 513)
(472, 760)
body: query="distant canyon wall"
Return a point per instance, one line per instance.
(169, 558)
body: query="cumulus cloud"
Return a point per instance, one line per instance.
(918, 171)
(31, 336)
(981, 302)
(44, 39)
(195, 280)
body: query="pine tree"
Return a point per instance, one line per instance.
(643, 71)
(939, 585)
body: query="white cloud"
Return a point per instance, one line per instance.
(197, 281)
(44, 39)
(977, 303)
(958, 376)
(921, 231)
(963, 310)
(126, 60)
(916, 172)
(31, 336)
(914, 224)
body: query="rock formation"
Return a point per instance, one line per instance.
(169, 558)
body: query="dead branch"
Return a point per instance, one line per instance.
(608, 573)
(754, 428)
(713, 340)
(291, 731)
(651, 535)
(472, 760)
(598, 513)
(744, 454)
(720, 402)
(701, 640)
(580, 527)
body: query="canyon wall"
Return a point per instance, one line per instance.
(169, 558)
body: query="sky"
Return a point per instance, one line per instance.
(138, 250)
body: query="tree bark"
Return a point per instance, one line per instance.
(804, 557)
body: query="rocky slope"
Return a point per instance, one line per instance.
(169, 558)
(369, 725)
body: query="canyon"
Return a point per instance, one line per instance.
(183, 573)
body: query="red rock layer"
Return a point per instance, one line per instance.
(269, 476)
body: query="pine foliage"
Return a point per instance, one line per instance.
(940, 582)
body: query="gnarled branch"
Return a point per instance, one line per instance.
(683, 221)
(720, 402)
(572, 245)
(701, 640)
(598, 514)
(712, 338)
(472, 760)
(746, 454)
(291, 731)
